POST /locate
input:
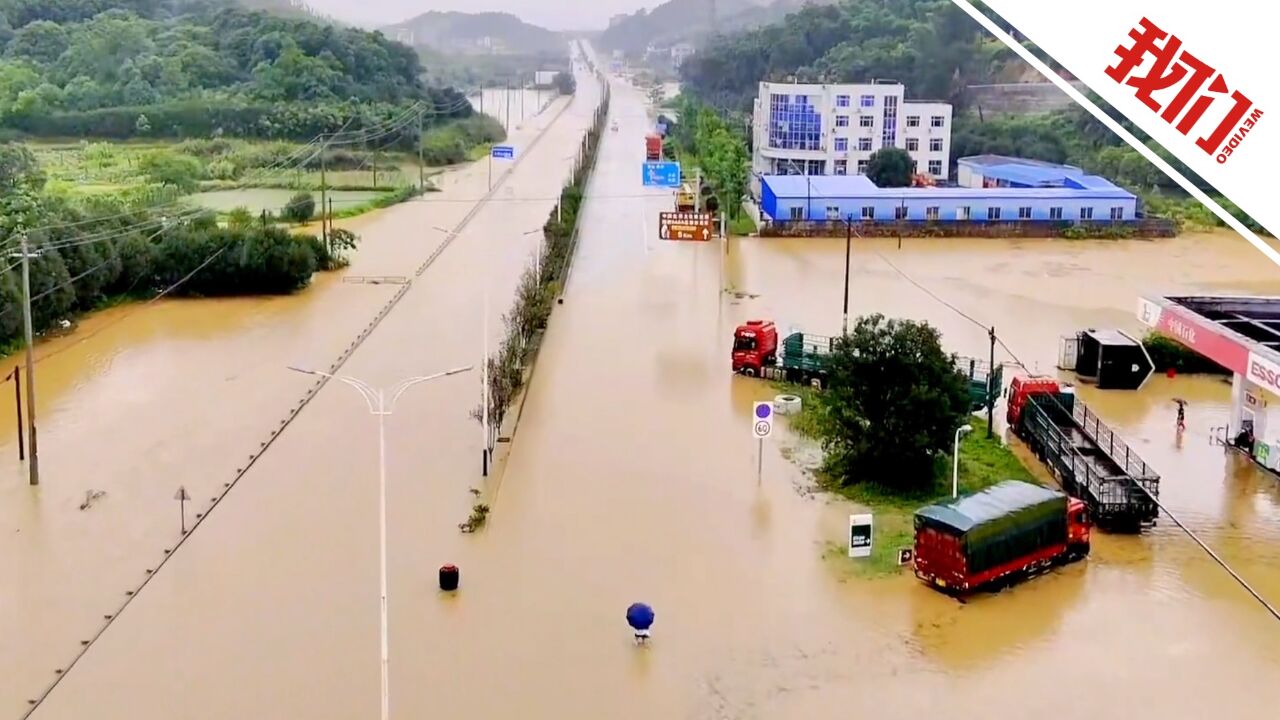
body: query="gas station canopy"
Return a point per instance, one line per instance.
(1240, 333)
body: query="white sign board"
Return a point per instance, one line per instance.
(762, 420)
(1148, 312)
(859, 536)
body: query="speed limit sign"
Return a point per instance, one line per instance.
(762, 420)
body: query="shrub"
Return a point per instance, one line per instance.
(163, 167)
(300, 208)
(223, 170)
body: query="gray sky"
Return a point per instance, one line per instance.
(554, 14)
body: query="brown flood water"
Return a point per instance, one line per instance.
(632, 478)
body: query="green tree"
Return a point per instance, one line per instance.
(300, 208)
(169, 168)
(889, 168)
(41, 42)
(893, 401)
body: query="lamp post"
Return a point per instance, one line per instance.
(848, 251)
(379, 405)
(955, 456)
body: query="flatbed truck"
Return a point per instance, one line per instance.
(1087, 457)
(802, 358)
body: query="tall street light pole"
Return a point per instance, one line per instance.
(848, 250)
(955, 468)
(379, 405)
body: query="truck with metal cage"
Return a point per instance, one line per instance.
(1085, 455)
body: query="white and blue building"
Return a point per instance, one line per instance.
(993, 189)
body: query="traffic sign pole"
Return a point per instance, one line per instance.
(761, 428)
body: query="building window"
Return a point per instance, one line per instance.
(842, 144)
(962, 212)
(862, 167)
(913, 144)
(1117, 213)
(817, 167)
(931, 212)
(993, 213)
(1055, 213)
(915, 167)
(797, 213)
(866, 121)
(833, 212)
(794, 124)
(935, 167)
(1086, 213)
(913, 121)
(802, 99)
(937, 121)
(868, 212)
(842, 121)
(935, 145)
(867, 101)
(842, 101)
(889, 137)
(864, 144)
(1024, 213)
(842, 167)
(900, 213)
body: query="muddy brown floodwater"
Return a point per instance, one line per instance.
(632, 477)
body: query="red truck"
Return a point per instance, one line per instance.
(653, 147)
(1012, 529)
(755, 347)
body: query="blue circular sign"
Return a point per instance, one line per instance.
(763, 411)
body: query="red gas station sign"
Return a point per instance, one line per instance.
(1204, 338)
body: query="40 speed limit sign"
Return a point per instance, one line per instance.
(762, 420)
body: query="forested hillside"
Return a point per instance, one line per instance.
(124, 68)
(477, 33)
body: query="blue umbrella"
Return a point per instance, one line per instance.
(640, 617)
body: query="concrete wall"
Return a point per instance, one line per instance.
(1020, 98)
(948, 209)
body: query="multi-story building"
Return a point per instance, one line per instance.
(820, 129)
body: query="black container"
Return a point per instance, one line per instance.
(449, 577)
(1113, 360)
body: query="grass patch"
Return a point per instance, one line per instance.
(742, 225)
(983, 462)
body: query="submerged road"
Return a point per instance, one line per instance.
(632, 477)
(143, 399)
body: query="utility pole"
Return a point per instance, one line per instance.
(484, 386)
(508, 104)
(375, 168)
(848, 252)
(422, 178)
(991, 389)
(522, 94)
(33, 467)
(324, 194)
(16, 377)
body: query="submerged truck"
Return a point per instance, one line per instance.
(1010, 530)
(653, 147)
(1090, 461)
(802, 358)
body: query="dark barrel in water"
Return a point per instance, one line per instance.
(449, 577)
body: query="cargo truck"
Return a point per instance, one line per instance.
(1006, 532)
(653, 147)
(803, 359)
(1090, 461)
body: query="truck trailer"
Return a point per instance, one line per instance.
(1090, 461)
(803, 359)
(1005, 532)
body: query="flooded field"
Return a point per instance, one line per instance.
(632, 477)
(255, 200)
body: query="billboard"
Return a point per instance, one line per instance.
(685, 226)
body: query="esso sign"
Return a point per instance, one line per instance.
(1264, 372)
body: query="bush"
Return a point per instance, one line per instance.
(1169, 354)
(451, 143)
(223, 170)
(300, 208)
(163, 167)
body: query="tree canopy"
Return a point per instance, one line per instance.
(893, 400)
(889, 168)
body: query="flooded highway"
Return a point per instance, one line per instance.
(632, 478)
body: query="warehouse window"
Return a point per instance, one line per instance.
(1086, 213)
(1055, 213)
(797, 213)
(900, 213)
(1117, 213)
(931, 212)
(1024, 213)
(962, 212)
(868, 213)
(833, 212)
(993, 213)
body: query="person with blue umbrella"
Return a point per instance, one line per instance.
(640, 618)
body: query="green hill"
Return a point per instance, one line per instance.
(476, 33)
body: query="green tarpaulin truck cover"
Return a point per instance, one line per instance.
(1004, 522)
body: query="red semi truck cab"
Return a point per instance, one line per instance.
(653, 146)
(1024, 387)
(755, 345)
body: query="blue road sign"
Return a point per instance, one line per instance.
(504, 152)
(662, 174)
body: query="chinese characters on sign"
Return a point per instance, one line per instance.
(684, 226)
(1173, 67)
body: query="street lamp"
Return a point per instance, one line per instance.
(848, 251)
(380, 406)
(955, 456)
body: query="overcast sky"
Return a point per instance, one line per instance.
(554, 14)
